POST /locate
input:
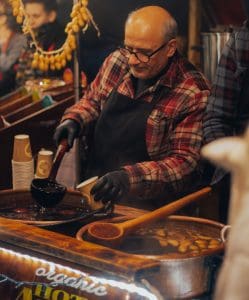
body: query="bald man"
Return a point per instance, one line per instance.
(147, 104)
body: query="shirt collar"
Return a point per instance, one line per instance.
(169, 78)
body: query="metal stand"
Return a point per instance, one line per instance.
(77, 98)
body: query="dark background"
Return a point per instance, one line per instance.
(110, 16)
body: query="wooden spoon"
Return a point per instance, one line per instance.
(110, 234)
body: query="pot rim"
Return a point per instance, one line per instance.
(166, 257)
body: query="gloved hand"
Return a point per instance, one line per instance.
(69, 129)
(111, 187)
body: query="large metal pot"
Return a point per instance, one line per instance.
(180, 276)
(212, 45)
(186, 276)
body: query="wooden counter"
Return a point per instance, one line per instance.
(50, 263)
(33, 258)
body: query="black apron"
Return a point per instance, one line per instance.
(120, 135)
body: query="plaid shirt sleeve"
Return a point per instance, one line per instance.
(222, 104)
(89, 107)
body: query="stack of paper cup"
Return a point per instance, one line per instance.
(44, 163)
(22, 163)
(85, 189)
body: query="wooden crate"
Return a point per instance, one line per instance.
(12, 105)
(18, 93)
(38, 122)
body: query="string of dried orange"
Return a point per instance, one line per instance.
(81, 17)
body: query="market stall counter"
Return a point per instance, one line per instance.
(47, 255)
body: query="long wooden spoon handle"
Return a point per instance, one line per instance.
(165, 210)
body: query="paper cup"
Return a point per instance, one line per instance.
(85, 188)
(22, 149)
(22, 174)
(44, 164)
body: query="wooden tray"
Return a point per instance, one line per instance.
(18, 205)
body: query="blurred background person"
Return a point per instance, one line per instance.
(49, 34)
(227, 112)
(12, 42)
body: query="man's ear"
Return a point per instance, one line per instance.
(172, 45)
(52, 16)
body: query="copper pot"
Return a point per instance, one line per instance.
(181, 275)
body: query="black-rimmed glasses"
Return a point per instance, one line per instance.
(142, 57)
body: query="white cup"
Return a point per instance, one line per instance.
(85, 188)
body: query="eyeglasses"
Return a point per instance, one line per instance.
(142, 57)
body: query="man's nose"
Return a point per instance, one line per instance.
(133, 60)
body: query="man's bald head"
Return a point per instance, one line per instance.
(153, 20)
(149, 31)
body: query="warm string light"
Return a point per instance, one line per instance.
(58, 274)
(81, 17)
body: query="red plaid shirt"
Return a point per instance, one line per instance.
(174, 127)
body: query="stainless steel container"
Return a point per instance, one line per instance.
(187, 278)
(212, 45)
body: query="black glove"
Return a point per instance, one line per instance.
(111, 187)
(69, 129)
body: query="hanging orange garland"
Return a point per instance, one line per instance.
(56, 59)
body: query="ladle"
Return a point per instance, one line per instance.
(110, 234)
(46, 191)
